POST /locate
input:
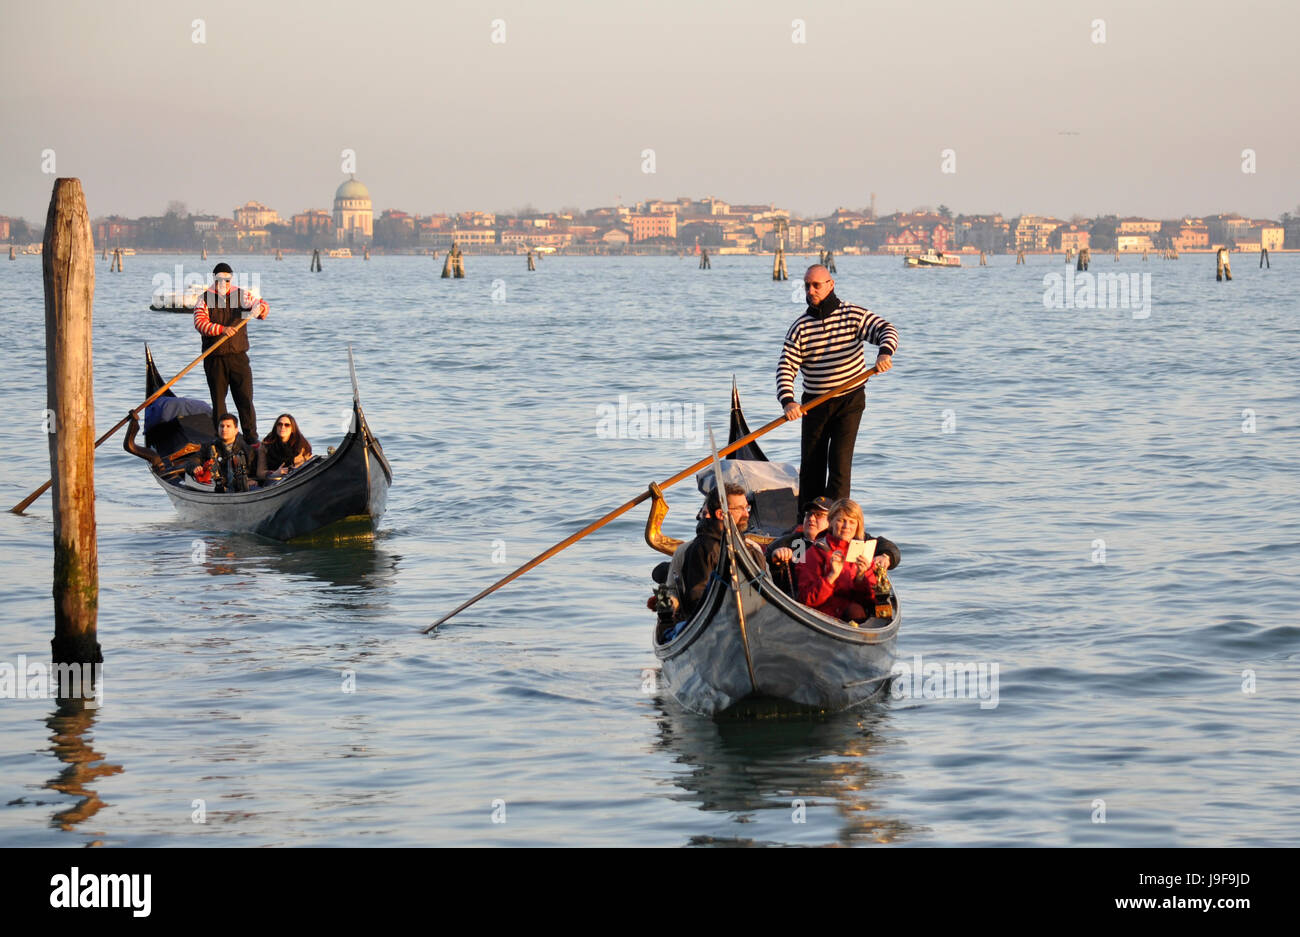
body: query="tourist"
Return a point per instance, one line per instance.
(283, 450)
(833, 586)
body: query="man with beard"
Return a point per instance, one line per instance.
(826, 344)
(700, 556)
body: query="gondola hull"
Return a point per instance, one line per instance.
(341, 495)
(785, 657)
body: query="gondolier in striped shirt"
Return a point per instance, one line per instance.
(219, 309)
(826, 344)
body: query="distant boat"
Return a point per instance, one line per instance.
(128, 251)
(341, 252)
(177, 301)
(931, 258)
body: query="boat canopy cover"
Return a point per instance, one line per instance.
(173, 408)
(752, 476)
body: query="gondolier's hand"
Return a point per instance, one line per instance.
(261, 309)
(793, 411)
(884, 363)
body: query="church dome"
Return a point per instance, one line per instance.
(352, 189)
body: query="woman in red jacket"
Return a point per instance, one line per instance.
(829, 584)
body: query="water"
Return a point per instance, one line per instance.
(1120, 681)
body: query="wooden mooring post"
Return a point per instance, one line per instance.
(1020, 257)
(116, 262)
(984, 261)
(1263, 258)
(278, 255)
(446, 264)
(705, 263)
(315, 261)
(11, 252)
(532, 262)
(828, 261)
(68, 265)
(1222, 267)
(778, 263)
(457, 263)
(203, 254)
(366, 255)
(1085, 257)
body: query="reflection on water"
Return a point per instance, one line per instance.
(745, 767)
(72, 725)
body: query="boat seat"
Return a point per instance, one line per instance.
(775, 509)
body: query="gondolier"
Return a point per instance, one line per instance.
(826, 344)
(220, 309)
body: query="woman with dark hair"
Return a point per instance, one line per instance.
(283, 449)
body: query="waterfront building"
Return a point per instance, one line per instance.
(354, 217)
(255, 215)
(1133, 243)
(1071, 237)
(1033, 232)
(645, 227)
(4, 228)
(311, 222)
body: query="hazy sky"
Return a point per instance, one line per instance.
(1041, 118)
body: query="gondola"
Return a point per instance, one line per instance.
(340, 495)
(752, 649)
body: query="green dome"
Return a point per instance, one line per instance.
(352, 189)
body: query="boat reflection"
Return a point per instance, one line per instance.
(360, 565)
(72, 726)
(761, 769)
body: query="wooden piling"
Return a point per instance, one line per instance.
(1263, 258)
(68, 265)
(532, 264)
(315, 261)
(829, 262)
(457, 263)
(984, 261)
(1222, 267)
(1020, 257)
(778, 263)
(203, 255)
(1144, 256)
(1117, 255)
(1085, 257)
(446, 267)
(11, 252)
(278, 256)
(366, 255)
(705, 263)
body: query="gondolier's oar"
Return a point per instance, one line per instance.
(24, 504)
(623, 509)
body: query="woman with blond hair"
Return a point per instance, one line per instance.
(830, 584)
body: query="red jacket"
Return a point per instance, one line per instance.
(816, 592)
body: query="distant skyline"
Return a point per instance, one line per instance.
(1039, 117)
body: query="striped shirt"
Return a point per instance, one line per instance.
(247, 300)
(830, 350)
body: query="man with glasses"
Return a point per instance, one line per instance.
(826, 344)
(700, 556)
(218, 311)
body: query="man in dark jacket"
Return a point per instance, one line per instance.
(218, 311)
(701, 554)
(228, 459)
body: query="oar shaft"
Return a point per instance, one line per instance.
(27, 502)
(624, 508)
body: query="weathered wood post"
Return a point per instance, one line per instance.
(366, 255)
(1263, 257)
(1020, 257)
(705, 263)
(203, 255)
(532, 263)
(278, 255)
(446, 264)
(778, 262)
(11, 252)
(1085, 257)
(457, 264)
(68, 265)
(984, 261)
(1117, 255)
(1144, 255)
(829, 262)
(1222, 268)
(315, 260)
(1069, 254)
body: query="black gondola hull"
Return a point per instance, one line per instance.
(343, 494)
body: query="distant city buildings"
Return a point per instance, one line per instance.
(679, 224)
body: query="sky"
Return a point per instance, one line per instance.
(1024, 104)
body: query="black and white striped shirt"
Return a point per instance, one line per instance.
(830, 350)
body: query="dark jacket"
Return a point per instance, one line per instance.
(699, 562)
(233, 465)
(271, 455)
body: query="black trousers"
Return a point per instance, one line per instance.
(232, 372)
(829, 433)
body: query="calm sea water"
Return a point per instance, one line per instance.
(1103, 505)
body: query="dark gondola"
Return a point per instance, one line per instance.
(340, 495)
(751, 648)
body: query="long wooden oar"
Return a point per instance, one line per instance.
(24, 504)
(623, 509)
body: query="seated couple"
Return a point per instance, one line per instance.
(226, 461)
(810, 561)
